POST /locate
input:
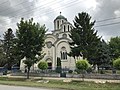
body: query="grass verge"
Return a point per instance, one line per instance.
(74, 85)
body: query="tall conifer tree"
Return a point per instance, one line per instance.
(84, 37)
(8, 47)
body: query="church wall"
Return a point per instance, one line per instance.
(56, 27)
(55, 43)
(61, 35)
(66, 63)
(50, 51)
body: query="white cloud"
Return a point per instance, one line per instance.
(91, 4)
(117, 12)
(45, 11)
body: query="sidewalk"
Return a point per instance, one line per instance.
(70, 79)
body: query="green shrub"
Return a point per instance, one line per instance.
(82, 64)
(116, 63)
(42, 65)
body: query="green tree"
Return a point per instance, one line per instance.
(103, 55)
(58, 68)
(2, 56)
(116, 63)
(84, 37)
(8, 48)
(82, 65)
(42, 65)
(115, 47)
(30, 41)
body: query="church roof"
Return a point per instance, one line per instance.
(61, 17)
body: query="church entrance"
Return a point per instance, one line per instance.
(49, 61)
(49, 65)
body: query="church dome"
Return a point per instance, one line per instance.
(61, 17)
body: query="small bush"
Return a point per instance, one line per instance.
(42, 65)
(116, 63)
(82, 64)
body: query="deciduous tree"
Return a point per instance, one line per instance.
(30, 41)
(115, 47)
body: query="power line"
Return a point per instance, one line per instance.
(30, 5)
(13, 5)
(108, 24)
(30, 10)
(42, 9)
(107, 19)
(67, 5)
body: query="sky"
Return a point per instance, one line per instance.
(105, 12)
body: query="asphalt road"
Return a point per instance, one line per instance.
(6, 87)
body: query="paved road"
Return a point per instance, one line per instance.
(6, 87)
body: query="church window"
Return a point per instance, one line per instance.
(63, 53)
(64, 35)
(49, 44)
(62, 21)
(68, 27)
(58, 24)
(64, 28)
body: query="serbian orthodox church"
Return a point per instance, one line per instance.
(57, 45)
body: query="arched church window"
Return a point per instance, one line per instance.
(58, 24)
(63, 53)
(68, 27)
(62, 21)
(64, 28)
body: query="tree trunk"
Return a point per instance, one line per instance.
(83, 76)
(28, 72)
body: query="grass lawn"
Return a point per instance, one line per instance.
(74, 85)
